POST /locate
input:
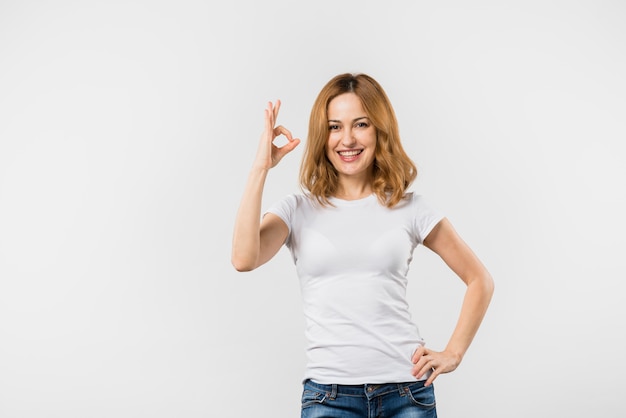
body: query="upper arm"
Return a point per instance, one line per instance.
(446, 242)
(273, 233)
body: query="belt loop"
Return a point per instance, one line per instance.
(333, 393)
(401, 389)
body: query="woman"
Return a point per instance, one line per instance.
(352, 232)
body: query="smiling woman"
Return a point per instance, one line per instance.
(352, 232)
(354, 109)
(351, 144)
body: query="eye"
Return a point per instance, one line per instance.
(362, 125)
(333, 127)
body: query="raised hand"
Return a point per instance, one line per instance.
(268, 154)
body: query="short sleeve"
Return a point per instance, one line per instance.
(285, 209)
(426, 217)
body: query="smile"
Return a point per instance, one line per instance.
(349, 153)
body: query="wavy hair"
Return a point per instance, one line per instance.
(393, 170)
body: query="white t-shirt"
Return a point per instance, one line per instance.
(352, 261)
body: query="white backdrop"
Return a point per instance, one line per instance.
(126, 132)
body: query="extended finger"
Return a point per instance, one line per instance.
(271, 112)
(276, 109)
(269, 125)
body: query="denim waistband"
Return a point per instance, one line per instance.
(365, 390)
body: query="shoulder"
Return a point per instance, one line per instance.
(410, 201)
(417, 200)
(425, 216)
(297, 199)
(290, 203)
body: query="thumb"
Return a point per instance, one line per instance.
(289, 146)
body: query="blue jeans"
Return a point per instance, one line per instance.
(394, 400)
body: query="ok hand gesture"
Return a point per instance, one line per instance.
(268, 154)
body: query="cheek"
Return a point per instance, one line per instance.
(329, 149)
(371, 138)
(331, 142)
(329, 154)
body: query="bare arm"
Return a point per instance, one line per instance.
(255, 241)
(446, 242)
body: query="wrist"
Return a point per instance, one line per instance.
(455, 352)
(256, 171)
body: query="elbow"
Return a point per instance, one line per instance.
(483, 284)
(489, 286)
(242, 265)
(242, 268)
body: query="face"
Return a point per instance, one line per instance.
(351, 136)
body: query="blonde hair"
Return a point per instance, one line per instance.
(393, 170)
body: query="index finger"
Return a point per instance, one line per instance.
(281, 130)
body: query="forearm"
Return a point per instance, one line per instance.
(475, 303)
(246, 235)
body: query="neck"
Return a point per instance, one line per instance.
(353, 193)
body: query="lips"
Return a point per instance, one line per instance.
(352, 153)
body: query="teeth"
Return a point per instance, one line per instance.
(349, 153)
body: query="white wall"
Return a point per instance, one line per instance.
(126, 132)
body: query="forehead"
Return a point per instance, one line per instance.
(346, 105)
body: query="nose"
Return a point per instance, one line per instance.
(348, 139)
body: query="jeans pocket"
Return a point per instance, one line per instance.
(311, 397)
(420, 395)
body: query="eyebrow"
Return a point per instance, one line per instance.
(353, 120)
